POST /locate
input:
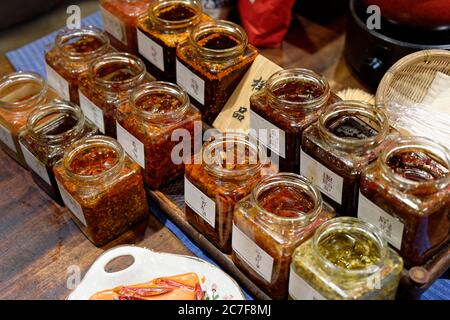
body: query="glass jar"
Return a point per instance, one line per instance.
(50, 130)
(120, 20)
(282, 212)
(102, 188)
(160, 31)
(290, 102)
(109, 82)
(406, 193)
(146, 125)
(211, 63)
(230, 166)
(70, 55)
(20, 93)
(348, 136)
(346, 259)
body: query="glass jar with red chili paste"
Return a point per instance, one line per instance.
(229, 167)
(149, 125)
(50, 130)
(70, 55)
(102, 188)
(406, 193)
(109, 82)
(120, 19)
(211, 63)
(282, 212)
(290, 102)
(348, 136)
(20, 93)
(167, 23)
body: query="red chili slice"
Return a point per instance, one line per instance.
(143, 292)
(199, 294)
(173, 284)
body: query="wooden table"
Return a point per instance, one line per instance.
(40, 245)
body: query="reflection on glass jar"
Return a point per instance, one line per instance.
(160, 31)
(231, 165)
(150, 127)
(70, 55)
(108, 83)
(281, 213)
(347, 138)
(347, 259)
(20, 93)
(102, 188)
(120, 20)
(50, 130)
(291, 101)
(211, 63)
(406, 193)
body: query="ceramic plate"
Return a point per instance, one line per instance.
(149, 265)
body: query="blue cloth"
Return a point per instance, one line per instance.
(31, 58)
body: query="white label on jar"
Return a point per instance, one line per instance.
(299, 289)
(131, 145)
(200, 203)
(252, 254)
(7, 138)
(268, 134)
(72, 204)
(114, 26)
(57, 82)
(371, 213)
(150, 50)
(326, 180)
(92, 112)
(34, 164)
(191, 83)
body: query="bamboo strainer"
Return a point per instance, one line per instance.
(407, 82)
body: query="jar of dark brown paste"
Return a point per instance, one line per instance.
(290, 102)
(50, 130)
(347, 137)
(160, 31)
(406, 193)
(211, 63)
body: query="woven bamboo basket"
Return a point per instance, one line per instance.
(408, 81)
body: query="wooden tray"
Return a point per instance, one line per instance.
(171, 200)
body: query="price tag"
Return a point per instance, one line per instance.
(34, 164)
(200, 203)
(190, 82)
(72, 204)
(252, 254)
(114, 26)
(131, 145)
(268, 134)
(149, 49)
(328, 182)
(56, 81)
(7, 138)
(299, 289)
(371, 213)
(92, 112)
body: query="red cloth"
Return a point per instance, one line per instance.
(266, 21)
(426, 13)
